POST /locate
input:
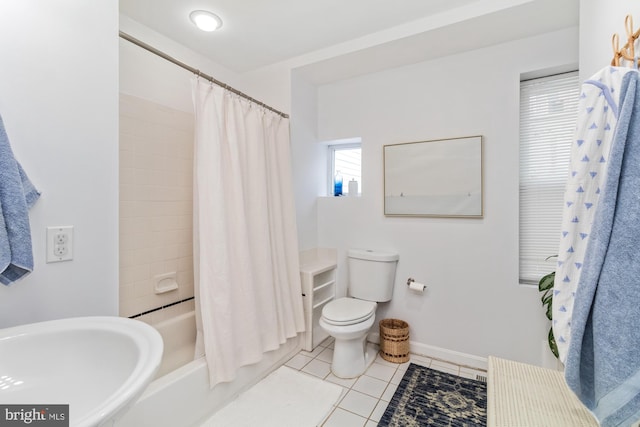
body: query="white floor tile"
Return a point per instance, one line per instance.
(371, 386)
(328, 342)
(389, 392)
(358, 403)
(344, 382)
(381, 372)
(317, 368)
(397, 377)
(316, 351)
(324, 420)
(404, 366)
(326, 355)
(379, 411)
(371, 424)
(298, 361)
(342, 418)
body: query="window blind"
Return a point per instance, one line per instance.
(548, 112)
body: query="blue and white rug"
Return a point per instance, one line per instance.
(426, 397)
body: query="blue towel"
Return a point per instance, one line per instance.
(603, 361)
(17, 195)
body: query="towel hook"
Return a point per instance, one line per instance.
(615, 44)
(628, 24)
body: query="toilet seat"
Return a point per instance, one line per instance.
(348, 311)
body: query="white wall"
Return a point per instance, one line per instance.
(474, 303)
(599, 20)
(308, 168)
(59, 102)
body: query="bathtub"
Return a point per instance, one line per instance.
(179, 338)
(180, 395)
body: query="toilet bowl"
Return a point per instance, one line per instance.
(349, 319)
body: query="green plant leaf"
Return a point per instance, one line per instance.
(552, 343)
(546, 282)
(545, 285)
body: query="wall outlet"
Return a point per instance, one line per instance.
(60, 238)
(60, 243)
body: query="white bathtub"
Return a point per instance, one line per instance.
(179, 337)
(180, 395)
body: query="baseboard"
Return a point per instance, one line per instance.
(434, 352)
(457, 357)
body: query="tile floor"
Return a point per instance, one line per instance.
(365, 398)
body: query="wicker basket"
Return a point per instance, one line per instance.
(394, 340)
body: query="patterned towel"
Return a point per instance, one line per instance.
(603, 362)
(597, 118)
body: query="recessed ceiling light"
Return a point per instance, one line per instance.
(205, 20)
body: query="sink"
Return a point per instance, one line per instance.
(99, 366)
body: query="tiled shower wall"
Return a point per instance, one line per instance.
(156, 164)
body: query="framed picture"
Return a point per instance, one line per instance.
(439, 178)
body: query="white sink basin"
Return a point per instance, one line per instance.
(97, 365)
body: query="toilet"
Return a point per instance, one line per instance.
(348, 320)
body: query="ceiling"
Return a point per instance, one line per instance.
(333, 39)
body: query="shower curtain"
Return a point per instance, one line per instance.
(247, 280)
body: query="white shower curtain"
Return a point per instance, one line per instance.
(247, 280)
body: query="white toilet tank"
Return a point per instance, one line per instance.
(371, 274)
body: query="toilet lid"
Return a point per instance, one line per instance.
(347, 311)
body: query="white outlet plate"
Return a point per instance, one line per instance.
(60, 243)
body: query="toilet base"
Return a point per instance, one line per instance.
(352, 361)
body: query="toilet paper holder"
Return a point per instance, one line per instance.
(415, 286)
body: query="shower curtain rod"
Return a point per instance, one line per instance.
(199, 73)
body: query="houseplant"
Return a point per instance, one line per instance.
(546, 287)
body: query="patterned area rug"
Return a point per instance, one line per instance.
(426, 397)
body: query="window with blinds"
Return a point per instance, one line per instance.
(548, 112)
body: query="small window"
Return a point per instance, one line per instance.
(345, 160)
